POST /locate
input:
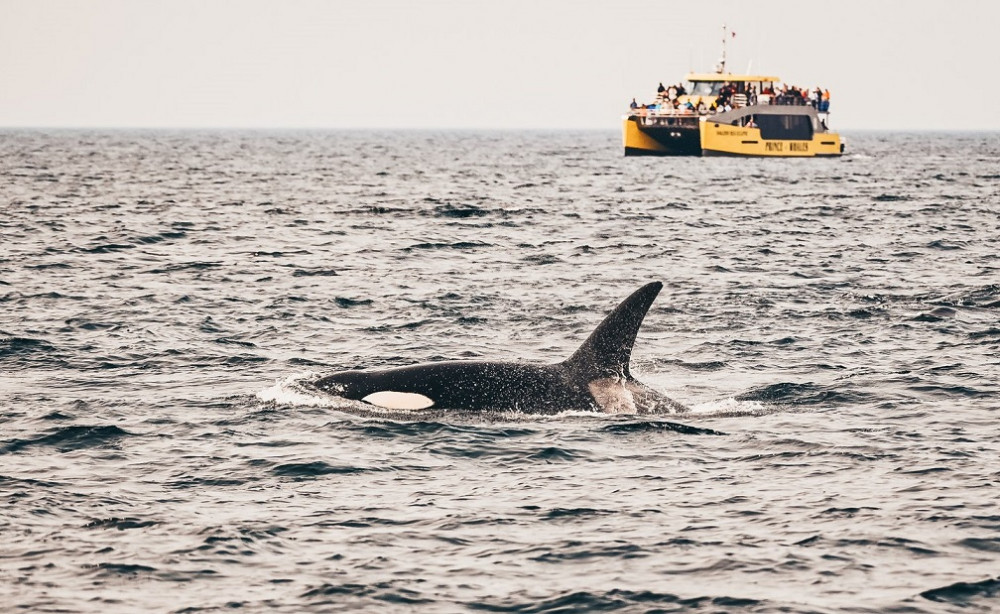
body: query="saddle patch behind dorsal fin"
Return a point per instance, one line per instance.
(607, 350)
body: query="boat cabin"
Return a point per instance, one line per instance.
(706, 87)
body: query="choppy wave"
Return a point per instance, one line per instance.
(167, 296)
(64, 439)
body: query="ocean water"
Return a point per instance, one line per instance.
(833, 326)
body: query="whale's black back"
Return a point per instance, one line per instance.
(469, 385)
(476, 385)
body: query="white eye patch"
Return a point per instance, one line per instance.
(398, 400)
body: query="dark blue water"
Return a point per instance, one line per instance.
(834, 326)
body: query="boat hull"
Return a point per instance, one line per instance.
(718, 139)
(791, 132)
(660, 139)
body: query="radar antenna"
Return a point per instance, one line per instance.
(721, 66)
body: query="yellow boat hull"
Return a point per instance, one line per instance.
(640, 139)
(689, 137)
(727, 140)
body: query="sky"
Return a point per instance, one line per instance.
(498, 64)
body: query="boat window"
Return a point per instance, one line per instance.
(705, 88)
(790, 127)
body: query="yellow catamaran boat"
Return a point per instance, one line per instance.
(728, 114)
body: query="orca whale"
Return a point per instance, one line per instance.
(596, 377)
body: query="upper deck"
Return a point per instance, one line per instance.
(731, 77)
(712, 93)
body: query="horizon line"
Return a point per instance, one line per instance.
(380, 129)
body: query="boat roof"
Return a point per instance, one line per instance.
(761, 109)
(728, 76)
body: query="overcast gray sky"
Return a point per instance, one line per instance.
(479, 64)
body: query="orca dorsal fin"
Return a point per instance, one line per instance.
(607, 350)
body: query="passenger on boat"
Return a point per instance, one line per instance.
(661, 89)
(792, 95)
(634, 105)
(726, 92)
(824, 104)
(768, 94)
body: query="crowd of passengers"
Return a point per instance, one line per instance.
(734, 96)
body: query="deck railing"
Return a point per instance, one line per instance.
(666, 108)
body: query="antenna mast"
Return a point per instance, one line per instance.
(722, 62)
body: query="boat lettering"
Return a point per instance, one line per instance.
(798, 147)
(774, 146)
(732, 133)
